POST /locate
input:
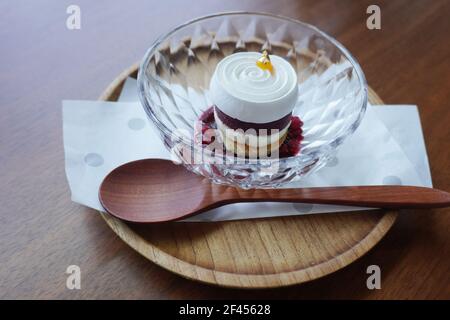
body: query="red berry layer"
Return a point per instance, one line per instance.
(290, 147)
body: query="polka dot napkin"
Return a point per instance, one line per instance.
(387, 148)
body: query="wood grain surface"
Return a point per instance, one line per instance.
(42, 62)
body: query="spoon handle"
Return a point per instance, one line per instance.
(389, 197)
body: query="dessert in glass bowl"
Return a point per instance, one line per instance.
(254, 95)
(178, 86)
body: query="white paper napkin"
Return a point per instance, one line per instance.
(387, 148)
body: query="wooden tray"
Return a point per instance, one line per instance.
(256, 253)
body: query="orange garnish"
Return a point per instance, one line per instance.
(264, 62)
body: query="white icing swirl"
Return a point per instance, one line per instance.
(244, 91)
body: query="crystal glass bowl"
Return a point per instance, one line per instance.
(174, 79)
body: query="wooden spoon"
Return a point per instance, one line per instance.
(158, 190)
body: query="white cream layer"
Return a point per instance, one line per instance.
(244, 91)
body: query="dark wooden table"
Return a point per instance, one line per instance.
(42, 63)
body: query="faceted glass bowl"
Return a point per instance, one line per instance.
(174, 79)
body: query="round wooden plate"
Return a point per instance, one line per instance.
(258, 253)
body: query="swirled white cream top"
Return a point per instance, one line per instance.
(248, 93)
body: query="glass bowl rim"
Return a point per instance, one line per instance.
(305, 157)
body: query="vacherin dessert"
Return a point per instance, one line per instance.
(252, 92)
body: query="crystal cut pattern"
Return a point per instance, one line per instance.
(174, 82)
